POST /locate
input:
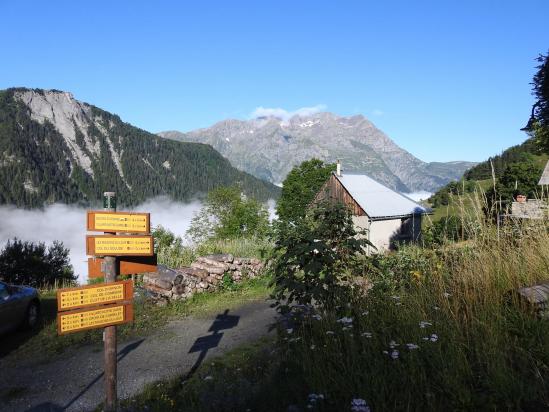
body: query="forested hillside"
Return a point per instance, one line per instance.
(54, 148)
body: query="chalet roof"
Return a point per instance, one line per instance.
(377, 200)
(544, 180)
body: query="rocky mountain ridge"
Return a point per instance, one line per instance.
(54, 148)
(269, 147)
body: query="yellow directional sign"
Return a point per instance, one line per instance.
(94, 295)
(78, 320)
(119, 222)
(111, 245)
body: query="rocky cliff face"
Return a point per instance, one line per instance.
(270, 147)
(54, 148)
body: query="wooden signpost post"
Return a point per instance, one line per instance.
(108, 304)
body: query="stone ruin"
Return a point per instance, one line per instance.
(205, 274)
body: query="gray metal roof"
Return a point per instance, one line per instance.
(544, 180)
(377, 200)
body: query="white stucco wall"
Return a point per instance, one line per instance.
(381, 232)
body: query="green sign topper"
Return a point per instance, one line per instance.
(109, 200)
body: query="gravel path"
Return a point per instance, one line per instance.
(74, 382)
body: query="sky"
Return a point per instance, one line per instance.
(446, 80)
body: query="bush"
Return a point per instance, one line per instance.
(27, 263)
(313, 258)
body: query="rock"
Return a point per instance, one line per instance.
(209, 269)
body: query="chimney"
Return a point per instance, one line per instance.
(338, 168)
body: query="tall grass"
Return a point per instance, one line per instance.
(478, 346)
(178, 255)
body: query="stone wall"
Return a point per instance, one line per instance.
(205, 274)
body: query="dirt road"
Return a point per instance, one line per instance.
(74, 381)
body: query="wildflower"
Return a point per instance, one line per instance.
(433, 337)
(416, 274)
(447, 295)
(366, 334)
(208, 378)
(423, 324)
(315, 251)
(412, 346)
(365, 313)
(313, 347)
(395, 297)
(346, 321)
(359, 405)
(288, 331)
(394, 354)
(436, 308)
(393, 344)
(385, 352)
(317, 317)
(330, 332)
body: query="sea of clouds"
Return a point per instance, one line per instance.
(67, 224)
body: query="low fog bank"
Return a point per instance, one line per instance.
(417, 196)
(67, 224)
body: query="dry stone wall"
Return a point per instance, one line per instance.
(205, 274)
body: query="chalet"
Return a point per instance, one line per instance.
(388, 217)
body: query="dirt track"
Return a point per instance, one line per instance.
(74, 381)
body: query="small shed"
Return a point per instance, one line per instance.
(388, 217)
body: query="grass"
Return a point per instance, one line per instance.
(147, 318)
(441, 329)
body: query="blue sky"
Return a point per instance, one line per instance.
(447, 80)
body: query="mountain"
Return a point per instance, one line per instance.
(269, 147)
(54, 148)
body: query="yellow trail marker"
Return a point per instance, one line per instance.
(78, 320)
(112, 245)
(94, 295)
(118, 222)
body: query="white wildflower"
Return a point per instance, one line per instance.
(434, 337)
(345, 320)
(447, 295)
(317, 317)
(365, 312)
(423, 324)
(393, 344)
(394, 354)
(366, 334)
(395, 297)
(412, 346)
(359, 405)
(330, 332)
(288, 331)
(208, 378)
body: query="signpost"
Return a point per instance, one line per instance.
(119, 222)
(97, 317)
(94, 295)
(121, 245)
(128, 265)
(108, 304)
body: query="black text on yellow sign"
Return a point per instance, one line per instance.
(93, 295)
(118, 222)
(121, 245)
(93, 318)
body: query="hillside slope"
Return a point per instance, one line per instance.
(54, 148)
(269, 147)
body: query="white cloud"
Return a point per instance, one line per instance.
(68, 224)
(377, 112)
(285, 115)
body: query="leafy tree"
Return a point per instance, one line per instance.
(300, 187)
(227, 214)
(314, 257)
(27, 263)
(538, 125)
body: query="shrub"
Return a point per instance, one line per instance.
(313, 258)
(34, 264)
